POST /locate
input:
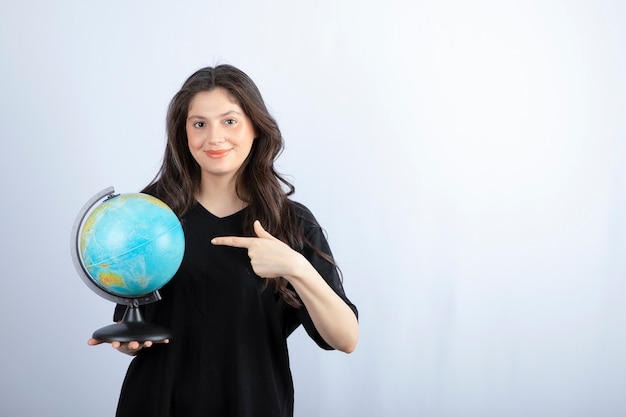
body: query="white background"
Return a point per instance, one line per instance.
(465, 157)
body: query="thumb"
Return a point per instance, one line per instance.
(261, 232)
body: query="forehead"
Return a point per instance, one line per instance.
(217, 99)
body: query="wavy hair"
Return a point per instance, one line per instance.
(258, 183)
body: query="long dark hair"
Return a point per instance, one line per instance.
(258, 183)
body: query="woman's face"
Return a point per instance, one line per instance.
(219, 133)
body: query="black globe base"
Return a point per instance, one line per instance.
(132, 328)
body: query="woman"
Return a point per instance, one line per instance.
(256, 265)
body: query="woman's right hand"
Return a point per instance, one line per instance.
(129, 348)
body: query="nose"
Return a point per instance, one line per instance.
(214, 136)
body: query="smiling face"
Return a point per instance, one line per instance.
(219, 134)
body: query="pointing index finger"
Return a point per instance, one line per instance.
(234, 241)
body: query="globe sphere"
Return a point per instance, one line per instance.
(131, 245)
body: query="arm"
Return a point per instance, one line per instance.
(332, 317)
(272, 258)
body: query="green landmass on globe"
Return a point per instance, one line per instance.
(131, 244)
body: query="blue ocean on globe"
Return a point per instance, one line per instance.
(132, 244)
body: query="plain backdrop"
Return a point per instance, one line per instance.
(466, 159)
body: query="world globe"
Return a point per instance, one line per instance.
(125, 249)
(132, 244)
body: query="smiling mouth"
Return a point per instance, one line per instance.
(217, 153)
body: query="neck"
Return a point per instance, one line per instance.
(218, 196)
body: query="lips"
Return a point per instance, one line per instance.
(218, 153)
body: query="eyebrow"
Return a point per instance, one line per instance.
(218, 116)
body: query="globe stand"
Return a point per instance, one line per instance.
(132, 327)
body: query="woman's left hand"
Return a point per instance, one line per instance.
(269, 257)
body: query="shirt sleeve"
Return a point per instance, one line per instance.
(118, 313)
(316, 239)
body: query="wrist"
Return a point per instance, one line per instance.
(297, 271)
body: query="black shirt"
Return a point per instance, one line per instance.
(228, 352)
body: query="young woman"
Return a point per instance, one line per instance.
(256, 265)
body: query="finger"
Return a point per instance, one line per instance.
(261, 232)
(234, 241)
(94, 342)
(149, 343)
